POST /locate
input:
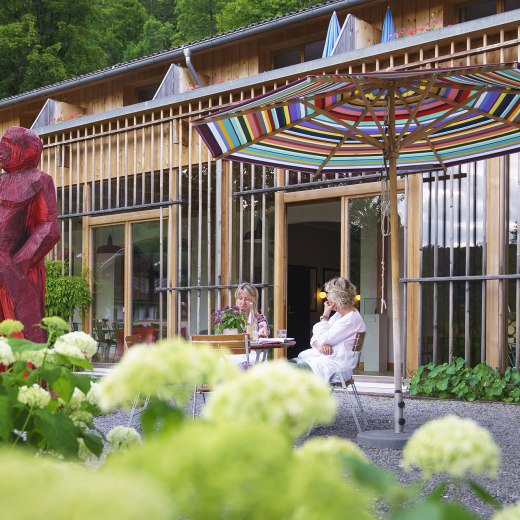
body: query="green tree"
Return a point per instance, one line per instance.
(156, 37)
(45, 41)
(120, 24)
(162, 10)
(240, 13)
(196, 19)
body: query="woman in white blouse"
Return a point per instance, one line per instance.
(333, 336)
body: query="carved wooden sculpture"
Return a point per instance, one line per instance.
(28, 229)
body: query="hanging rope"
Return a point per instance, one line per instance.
(385, 231)
(385, 217)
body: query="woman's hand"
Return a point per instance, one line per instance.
(325, 349)
(262, 330)
(328, 308)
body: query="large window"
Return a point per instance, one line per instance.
(458, 265)
(452, 245)
(513, 260)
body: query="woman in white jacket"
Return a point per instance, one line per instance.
(333, 337)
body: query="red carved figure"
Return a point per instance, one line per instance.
(28, 229)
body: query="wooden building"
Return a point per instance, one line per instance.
(167, 232)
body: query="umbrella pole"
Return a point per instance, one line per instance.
(396, 296)
(396, 438)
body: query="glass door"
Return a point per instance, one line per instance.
(108, 290)
(147, 275)
(128, 264)
(370, 270)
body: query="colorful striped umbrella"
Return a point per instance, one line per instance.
(350, 122)
(390, 121)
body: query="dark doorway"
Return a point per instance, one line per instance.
(314, 255)
(298, 302)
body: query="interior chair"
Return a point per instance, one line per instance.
(343, 385)
(106, 339)
(132, 340)
(224, 343)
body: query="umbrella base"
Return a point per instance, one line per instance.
(383, 439)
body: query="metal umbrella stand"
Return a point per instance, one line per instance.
(414, 120)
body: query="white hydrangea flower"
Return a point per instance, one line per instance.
(508, 513)
(68, 349)
(81, 417)
(453, 446)
(94, 393)
(169, 369)
(34, 395)
(77, 398)
(79, 339)
(122, 437)
(34, 357)
(276, 394)
(331, 447)
(6, 352)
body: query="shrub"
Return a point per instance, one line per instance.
(64, 294)
(455, 380)
(44, 405)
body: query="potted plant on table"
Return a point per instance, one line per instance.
(229, 320)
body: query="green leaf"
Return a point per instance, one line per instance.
(93, 443)
(22, 344)
(435, 509)
(160, 415)
(51, 373)
(81, 381)
(6, 418)
(369, 475)
(59, 431)
(439, 490)
(64, 387)
(483, 494)
(79, 362)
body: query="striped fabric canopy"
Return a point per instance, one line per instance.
(355, 122)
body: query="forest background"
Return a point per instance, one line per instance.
(46, 41)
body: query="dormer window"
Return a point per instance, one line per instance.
(476, 10)
(305, 52)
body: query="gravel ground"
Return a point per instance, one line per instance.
(502, 420)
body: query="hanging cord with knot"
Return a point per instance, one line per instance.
(385, 231)
(385, 218)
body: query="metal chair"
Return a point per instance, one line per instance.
(224, 343)
(106, 339)
(356, 408)
(129, 342)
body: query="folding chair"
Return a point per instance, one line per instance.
(225, 343)
(356, 408)
(129, 342)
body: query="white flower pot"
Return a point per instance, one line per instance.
(230, 331)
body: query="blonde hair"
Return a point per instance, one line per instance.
(252, 292)
(341, 291)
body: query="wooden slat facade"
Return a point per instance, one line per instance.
(127, 162)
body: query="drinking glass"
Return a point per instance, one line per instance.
(281, 333)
